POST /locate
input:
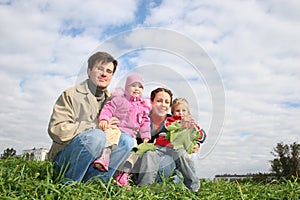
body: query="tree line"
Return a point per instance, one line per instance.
(9, 152)
(286, 163)
(284, 166)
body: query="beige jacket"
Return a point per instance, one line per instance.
(75, 111)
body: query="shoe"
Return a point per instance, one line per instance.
(122, 179)
(102, 163)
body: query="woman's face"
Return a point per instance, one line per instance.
(161, 103)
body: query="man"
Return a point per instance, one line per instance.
(73, 126)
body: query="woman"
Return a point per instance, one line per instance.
(161, 99)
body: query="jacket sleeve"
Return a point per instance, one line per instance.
(62, 126)
(145, 131)
(108, 110)
(202, 133)
(172, 119)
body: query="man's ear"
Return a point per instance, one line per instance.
(88, 71)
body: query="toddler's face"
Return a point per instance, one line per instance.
(180, 110)
(135, 89)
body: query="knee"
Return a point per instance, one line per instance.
(126, 142)
(149, 157)
(95, 141)
(180, 154)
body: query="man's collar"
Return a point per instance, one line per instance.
(84, 88)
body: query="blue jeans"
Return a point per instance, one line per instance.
(81, 152)
(152, 160)
(166, 167)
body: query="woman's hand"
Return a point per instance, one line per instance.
(196, 149)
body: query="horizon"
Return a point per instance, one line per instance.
(237, 63)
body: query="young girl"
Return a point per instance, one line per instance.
(181, 121)
(132, 113)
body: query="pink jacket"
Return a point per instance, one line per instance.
(133, 113)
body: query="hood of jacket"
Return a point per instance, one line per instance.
(132, 78)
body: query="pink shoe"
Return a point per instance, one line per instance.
(102, 163)
(122, 179)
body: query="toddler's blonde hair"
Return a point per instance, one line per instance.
(178, 101)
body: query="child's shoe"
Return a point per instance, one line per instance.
(122, 179)
(102, 163)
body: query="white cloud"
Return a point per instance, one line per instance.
(253, 45)
(40, 56)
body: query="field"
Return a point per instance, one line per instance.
(21, 179)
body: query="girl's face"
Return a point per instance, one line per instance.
(161, 103)
(180, 110)
(135, 89)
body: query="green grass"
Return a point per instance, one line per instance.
(21, 179)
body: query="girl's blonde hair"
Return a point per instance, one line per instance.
(178, 101)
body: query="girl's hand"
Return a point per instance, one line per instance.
(187, 121)
(146, 140)
(103, 125)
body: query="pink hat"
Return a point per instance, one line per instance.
(132, 78)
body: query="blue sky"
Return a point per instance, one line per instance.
(244, 51)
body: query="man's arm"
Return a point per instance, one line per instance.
(62, 126)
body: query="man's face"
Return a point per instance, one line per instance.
(101, 74)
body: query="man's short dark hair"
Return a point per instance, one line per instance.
(102, 57)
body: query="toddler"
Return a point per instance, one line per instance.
(132, 113)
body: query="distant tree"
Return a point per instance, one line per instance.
(286, 163)
(32, 156)
(9, 152)
(28, 156)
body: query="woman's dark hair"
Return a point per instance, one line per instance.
(157, 90)
(102, 57)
